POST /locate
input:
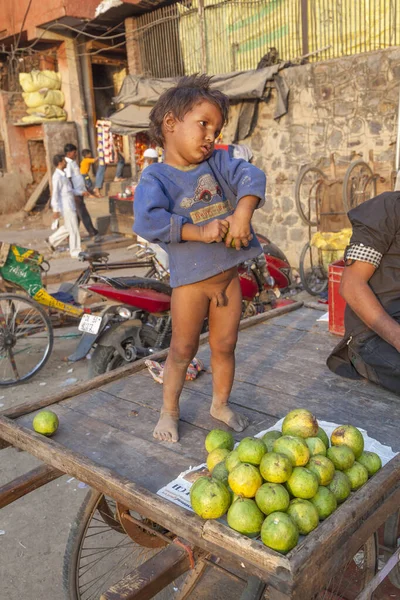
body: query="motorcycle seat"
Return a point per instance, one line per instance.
(93, 255)
(144, 283)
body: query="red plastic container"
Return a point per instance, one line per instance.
(336, 303)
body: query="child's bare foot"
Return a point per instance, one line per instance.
(224, 413)
(166, 429)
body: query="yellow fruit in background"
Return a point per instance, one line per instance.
(300, 422)
(270, 437)
(45, 422)
(304, 514)
(340, 486)
(232, 460)
(251, 450)
(325, 502)
(218, 438)
(348, 435)
(294, 448)
(245, 517)
(302, 483)
(358, 475)
(342, 457)
(322, 467)
(216, 456)
(245, 480)
(272, 497)
(276, 468)
(209, 498)
(316, 446)
(371, 461)
(321, 433)
(279, 532)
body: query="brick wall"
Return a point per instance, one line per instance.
(16, 107)
(346, 107)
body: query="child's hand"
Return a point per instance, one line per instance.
(239, 231)
(215, 231)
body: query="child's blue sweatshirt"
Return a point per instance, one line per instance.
(167, 198)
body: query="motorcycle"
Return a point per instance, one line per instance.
(137, 322)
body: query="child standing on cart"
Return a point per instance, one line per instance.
(198, 206)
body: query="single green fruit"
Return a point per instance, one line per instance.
(316, 446)
(221, 473)
(321, 433)
(294, 448)
(342, 457)
(302, 483)
(304, 514)
(269, 439)
(300, 422)
(45, 422)
(272, 497)
(325, 502)
(209, 498)
(275, 468)
(251, 450)
(245, 517)
(245, 480)
(279, 532)
(358, 475)
(232, 460)
(340, 486)
(322, 467)
(218, 438)
(215, 457)
(371, 461)
(348, 435)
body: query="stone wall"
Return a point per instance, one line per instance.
(346, 107)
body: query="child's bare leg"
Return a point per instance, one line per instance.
(189, 307)
(224, 324)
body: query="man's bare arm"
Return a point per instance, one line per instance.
(360, 297)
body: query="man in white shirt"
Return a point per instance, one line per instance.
(63, 205)
(78, 183)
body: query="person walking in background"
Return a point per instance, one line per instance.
(78, 184)
(63, 205)
(86, 162)
(109, 150)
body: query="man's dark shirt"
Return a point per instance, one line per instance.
(376, 240)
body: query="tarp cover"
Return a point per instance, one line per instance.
(140, 94)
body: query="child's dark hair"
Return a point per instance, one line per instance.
(86, 152)
(180, 99)
(57, 158)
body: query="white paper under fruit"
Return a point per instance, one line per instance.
(178, 490)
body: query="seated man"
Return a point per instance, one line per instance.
(371, 287)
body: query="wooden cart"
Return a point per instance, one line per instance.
(105, 440)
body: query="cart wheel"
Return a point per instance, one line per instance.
(307, 193)
(359, 184)
(26, 338)
(99, 553)
(313, 274)
(355, 575)
(391, 539)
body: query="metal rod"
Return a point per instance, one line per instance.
(304, 26)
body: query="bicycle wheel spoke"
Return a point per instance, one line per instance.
(13, 363)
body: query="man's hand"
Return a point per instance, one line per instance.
(56, 215)
(215, 231)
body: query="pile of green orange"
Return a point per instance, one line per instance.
(281, 485)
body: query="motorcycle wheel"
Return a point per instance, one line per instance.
(105, 359)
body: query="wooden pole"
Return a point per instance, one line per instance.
(202, 29)
(304, 26)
